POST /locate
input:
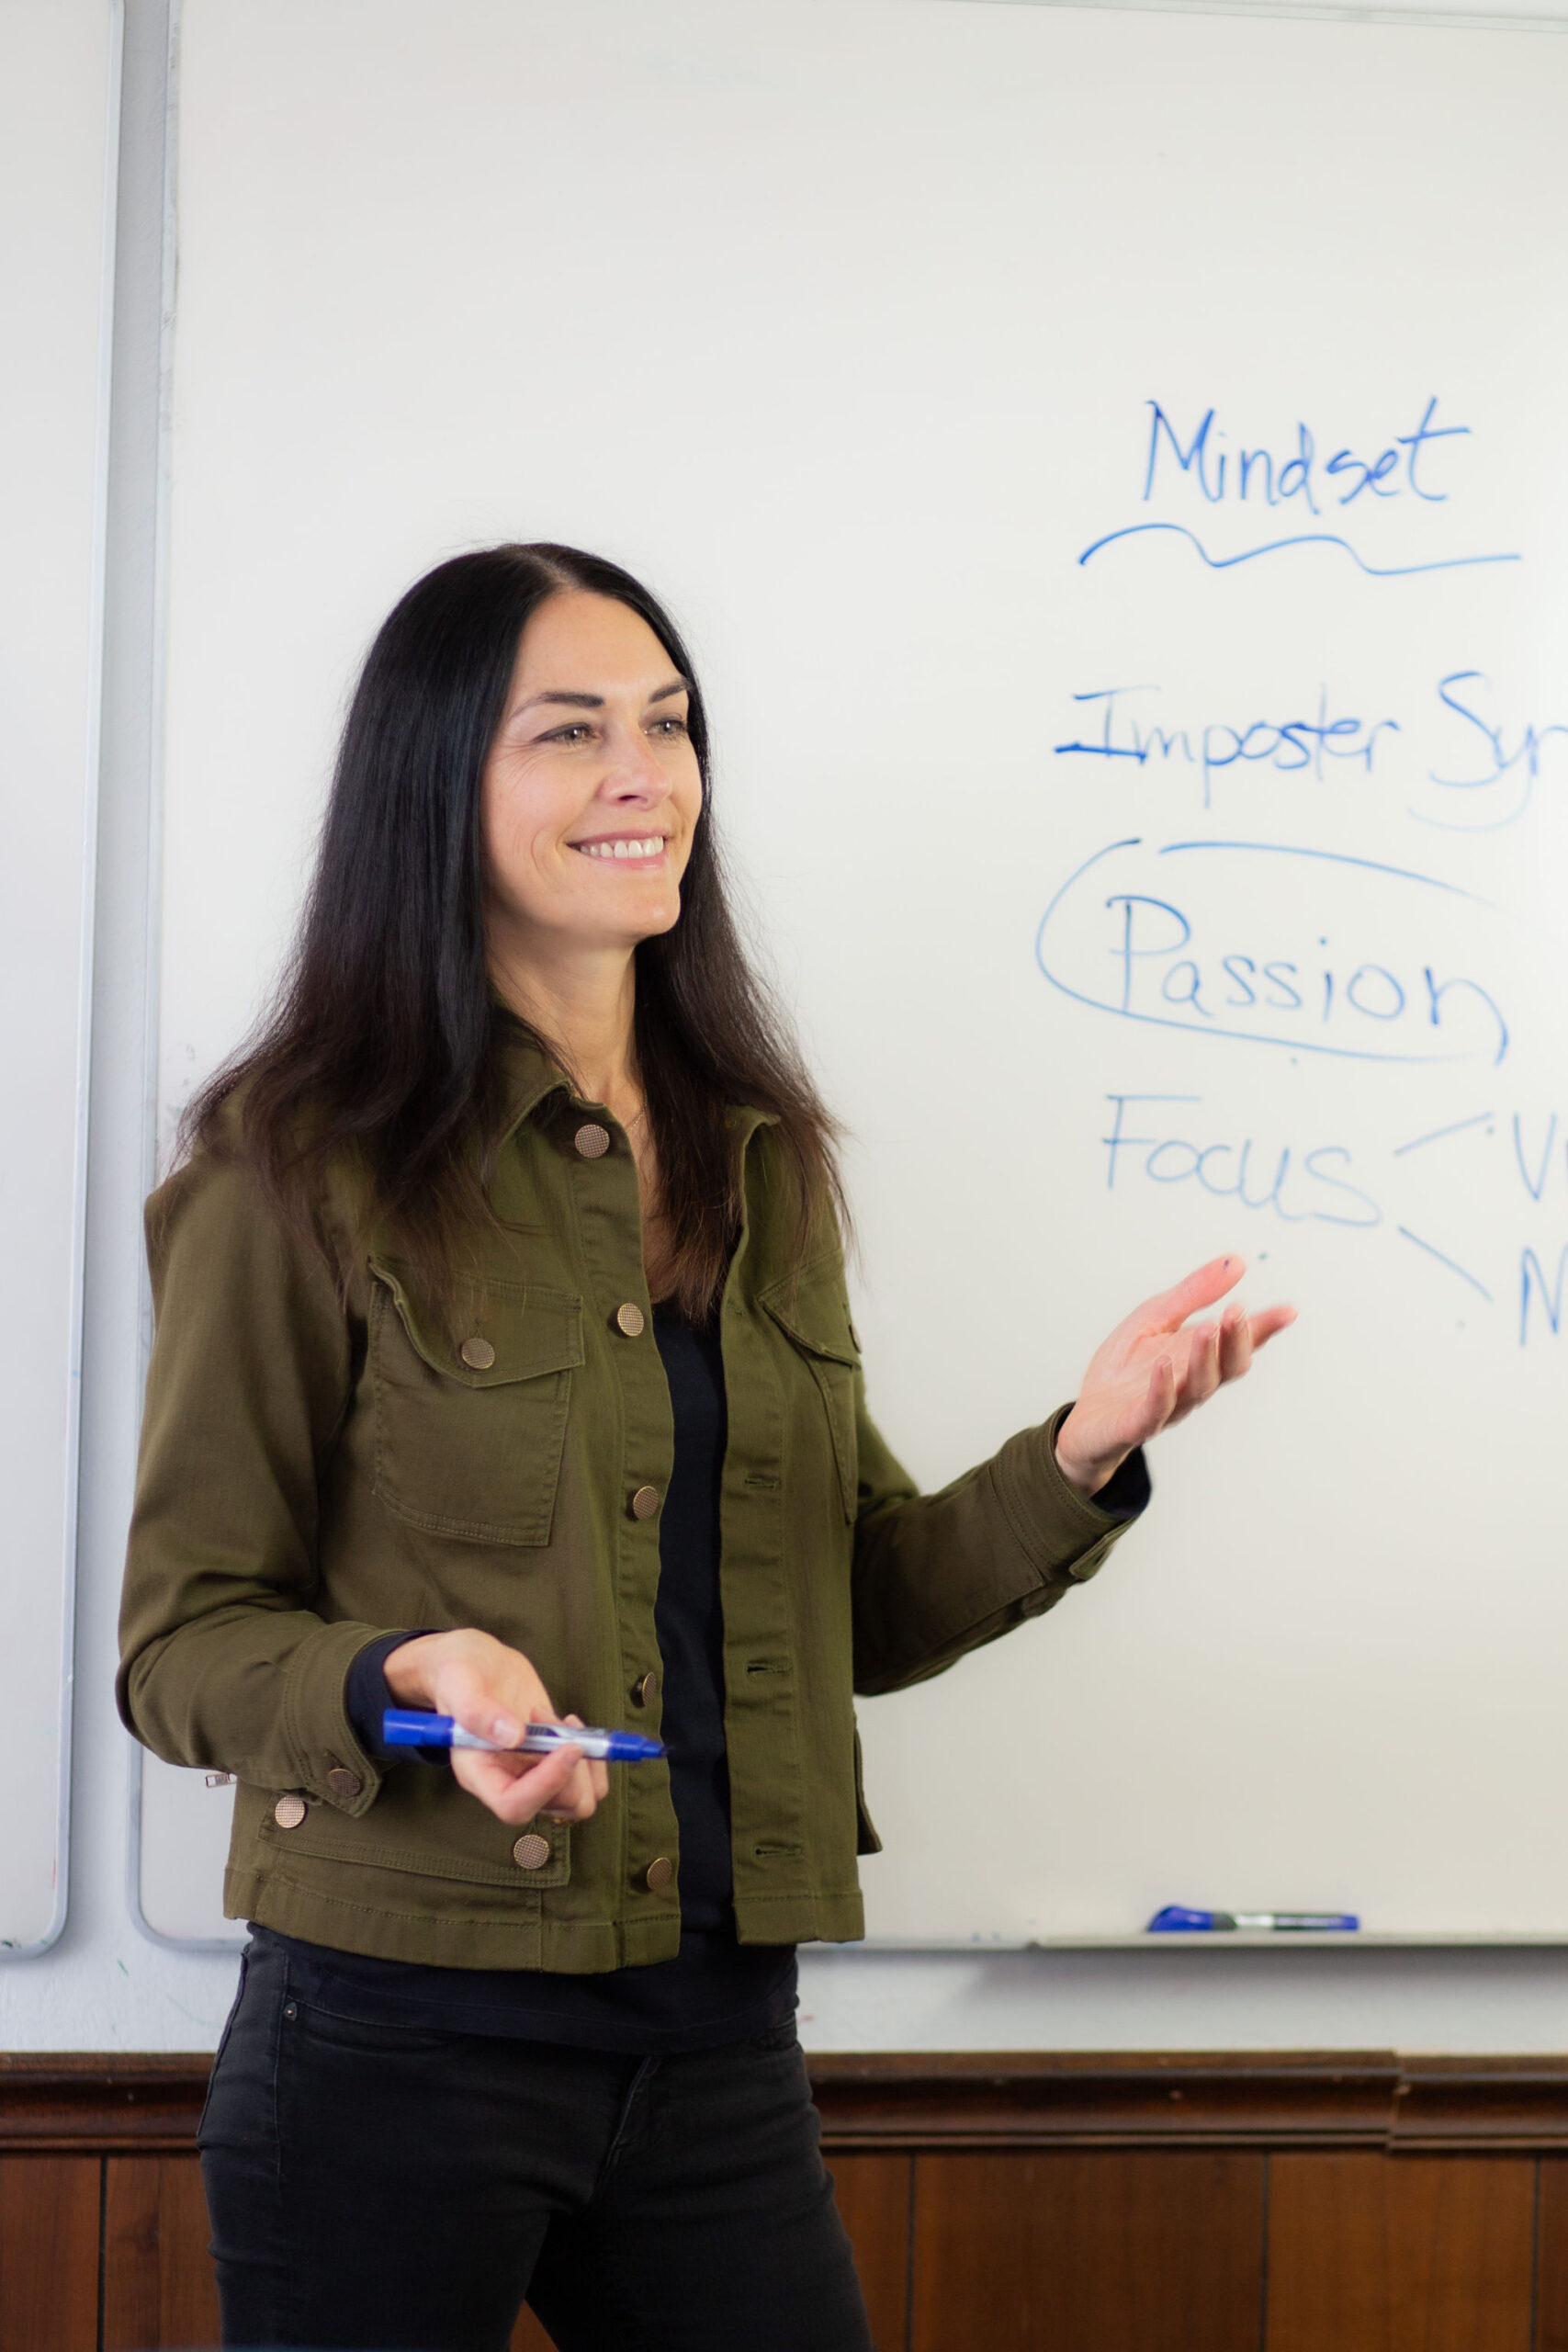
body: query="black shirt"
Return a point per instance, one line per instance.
(716, 1989)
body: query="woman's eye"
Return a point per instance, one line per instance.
(574, 732)
(669, 727)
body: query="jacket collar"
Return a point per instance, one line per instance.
(529, 1078)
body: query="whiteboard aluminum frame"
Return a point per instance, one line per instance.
(1297, 1940)
(148, 133)
(1339, 11)
(84, 965)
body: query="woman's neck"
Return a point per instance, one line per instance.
(583, 1008)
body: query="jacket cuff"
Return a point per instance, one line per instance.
(1065, 1535)
(334, 1766)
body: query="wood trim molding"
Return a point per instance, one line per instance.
(1305, 2099)
(101, 2102)
(95, 2102)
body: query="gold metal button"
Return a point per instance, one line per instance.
(532, 1852)
(478, 1355)
(289, 1812)
(659, 1873)
(593, 1141)
(645, 1502)
(629, 1318)
(645, 1689)
(343, 1783)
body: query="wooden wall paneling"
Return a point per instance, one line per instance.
(1411, 2253)
(1551, 2256)
(1089, 2203)
(160, 2294)
(874, 2196)
(1089, 2252)
(528, 2335)
(49, 2253)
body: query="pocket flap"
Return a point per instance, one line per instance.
(816, 1314)
(526, 1328)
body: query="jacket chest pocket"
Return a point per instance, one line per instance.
(470, 1430)
(816, 1316)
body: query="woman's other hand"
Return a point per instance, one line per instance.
(495, 1692)
(1155, 1369)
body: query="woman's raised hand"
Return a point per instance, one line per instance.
(1156, 1368)
(494, 1691)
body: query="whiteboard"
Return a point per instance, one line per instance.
(1156, 825)
(59, 66)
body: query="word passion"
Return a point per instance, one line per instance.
(1222, 941)
(1154, 932)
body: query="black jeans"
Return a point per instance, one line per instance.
(371, 2186)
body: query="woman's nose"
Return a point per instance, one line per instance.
(636, 769)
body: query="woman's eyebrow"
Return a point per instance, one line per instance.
(560, 694)
(572, 701)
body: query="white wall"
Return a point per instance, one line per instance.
(104, 1986)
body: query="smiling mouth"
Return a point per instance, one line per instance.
(622, 852)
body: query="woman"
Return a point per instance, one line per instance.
(504, 1365)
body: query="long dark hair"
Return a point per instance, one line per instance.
(380, 1049)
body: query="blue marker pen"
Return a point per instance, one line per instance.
(412, 1727)
(1176, 1919)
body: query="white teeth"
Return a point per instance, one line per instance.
(623, 849)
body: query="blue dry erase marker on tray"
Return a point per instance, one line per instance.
(412, 1727)
(1176, 1919)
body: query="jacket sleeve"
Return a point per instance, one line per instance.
(224, 1660)
(936, 1576)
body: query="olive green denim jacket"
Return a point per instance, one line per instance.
(322, 1465)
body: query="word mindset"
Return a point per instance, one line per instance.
(1399, 469)
(1304, 477)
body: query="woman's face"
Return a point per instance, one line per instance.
(591, 792)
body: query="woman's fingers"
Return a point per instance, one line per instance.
(565, 1786)
(1156, 1368)
(1202, 1374)
(1170, 1309)
(494, 1693)
(1225, 1353)
(515, 1788)
(1235, 1343)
